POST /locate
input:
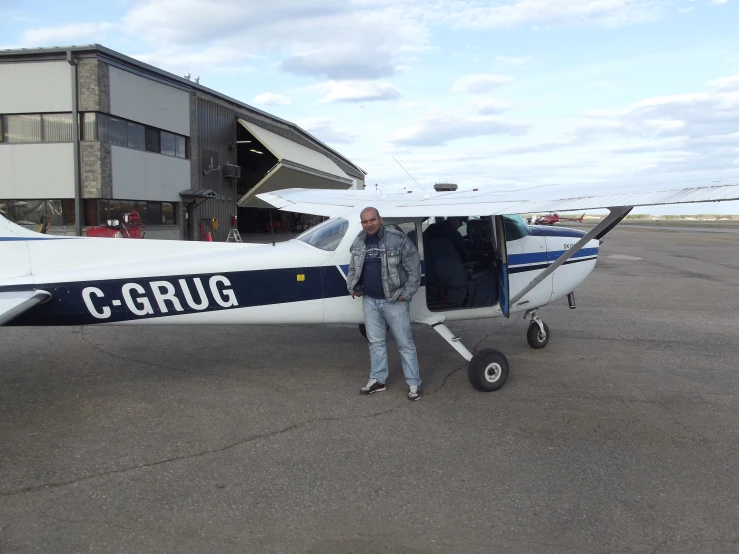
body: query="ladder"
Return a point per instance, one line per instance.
(234, 236)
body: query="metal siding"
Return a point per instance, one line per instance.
(146, 101)
(36, 171)
(139, 175)
(35, 87)
(216, 129)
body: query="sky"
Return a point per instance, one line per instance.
(579, 95)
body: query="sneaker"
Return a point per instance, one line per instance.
(414, 393)
(372, 386)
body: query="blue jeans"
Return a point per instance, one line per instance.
(378, 315)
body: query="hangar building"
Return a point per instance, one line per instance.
(86, 130)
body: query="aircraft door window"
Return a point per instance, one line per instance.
(326, 235)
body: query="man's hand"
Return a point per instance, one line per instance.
(356, 294)
(401, 299)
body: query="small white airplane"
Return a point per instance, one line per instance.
(515, 267)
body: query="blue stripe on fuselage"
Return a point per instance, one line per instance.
(546, 257)
(250, 288)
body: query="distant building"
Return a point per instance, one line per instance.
(180, 154)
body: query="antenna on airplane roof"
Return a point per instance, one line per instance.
(409, 175)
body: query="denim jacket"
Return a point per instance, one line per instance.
(401, 264)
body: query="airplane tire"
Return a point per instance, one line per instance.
(534, 338)
(488, 370)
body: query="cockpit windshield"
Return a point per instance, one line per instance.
(326, 235)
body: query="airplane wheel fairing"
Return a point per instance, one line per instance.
(535, 338)
(488, 370)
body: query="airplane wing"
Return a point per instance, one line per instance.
(14, 303)
(483, 203)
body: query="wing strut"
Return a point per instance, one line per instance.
(608, 223)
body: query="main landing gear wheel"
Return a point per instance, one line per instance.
(535, 337)
(487, 370)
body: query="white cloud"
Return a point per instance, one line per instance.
(66, 35)
(480, 83)
(437, 130)
(725, 83)
(217, 58)
(491, 106)
(271, 99)
(718, 2)
(322, 38)
(509, 60)
(552, 13)
(323, 130)
(357, 91)
(333, 39)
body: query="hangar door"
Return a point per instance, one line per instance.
(297, 167)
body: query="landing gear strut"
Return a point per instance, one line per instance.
(487, 369)
(538, 333)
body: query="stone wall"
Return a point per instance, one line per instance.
(96, 170)
(93, 86)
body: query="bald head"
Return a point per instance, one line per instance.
(371, 220)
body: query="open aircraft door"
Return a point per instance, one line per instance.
(501, 262)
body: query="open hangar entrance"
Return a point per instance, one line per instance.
(271, 162)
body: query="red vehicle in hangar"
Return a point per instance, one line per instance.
(551, 219)
(130, 228)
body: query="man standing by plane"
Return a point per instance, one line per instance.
(385, 269)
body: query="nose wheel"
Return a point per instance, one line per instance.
(538, 334)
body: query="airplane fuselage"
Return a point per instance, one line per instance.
(104, 281)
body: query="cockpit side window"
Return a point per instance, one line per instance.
(326, 235)
(515, 227)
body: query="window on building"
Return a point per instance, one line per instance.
(154, 213)
(153, 140)
(102, 128)
(169, 213)
(180, 146)
(23, 128)
(120, 132)
(68, 212)
(136, 135)
(89, 126)
(57, 127)
(90, 210)
(117, 132)
(2, 134)
(168, 144)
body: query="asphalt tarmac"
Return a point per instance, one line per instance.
(621, 436)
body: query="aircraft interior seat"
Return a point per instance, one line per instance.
(447, 278)
(478, 234)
